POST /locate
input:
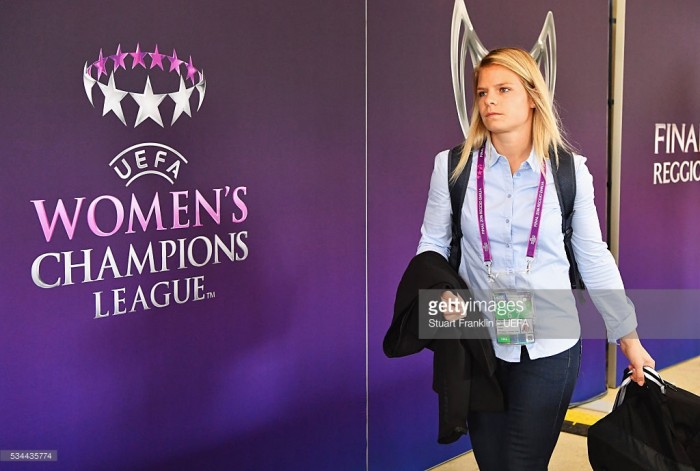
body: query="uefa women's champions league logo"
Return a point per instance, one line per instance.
(205, 223)
(463, 40)
(156, 93)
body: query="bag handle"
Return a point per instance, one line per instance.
(650, 374)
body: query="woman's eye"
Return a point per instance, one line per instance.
(505, 89)
(481, 94)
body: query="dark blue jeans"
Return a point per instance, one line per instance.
(537, 394)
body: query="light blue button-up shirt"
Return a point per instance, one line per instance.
(509, 206)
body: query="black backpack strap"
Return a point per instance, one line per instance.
(564, 175)
(458, 190)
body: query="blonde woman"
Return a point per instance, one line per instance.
(512, 248)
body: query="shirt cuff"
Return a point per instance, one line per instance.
(625, 327)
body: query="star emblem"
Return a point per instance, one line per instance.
(138, 57)
(113, 98)
(182, 101)
(201, 88)
(118, 58)
(156, 58)
(191, 70)
(148, 104)
(88, 82)
(175, 63)
(100, 65)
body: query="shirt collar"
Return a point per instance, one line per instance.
(492, 157)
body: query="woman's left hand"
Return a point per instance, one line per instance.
(637, 356)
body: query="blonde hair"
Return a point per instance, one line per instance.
(546, 129)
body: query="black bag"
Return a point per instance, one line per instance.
(655, 427)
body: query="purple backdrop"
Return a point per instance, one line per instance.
(268, 369)
(267, 373)
(658, 233)
(412, 117)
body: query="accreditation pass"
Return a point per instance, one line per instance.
(515, 317)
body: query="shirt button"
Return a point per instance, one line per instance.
(509, 195)
(508, 245)
(507, 221)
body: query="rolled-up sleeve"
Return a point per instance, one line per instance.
(436, 231)
(595, 262)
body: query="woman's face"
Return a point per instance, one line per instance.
(504, 105)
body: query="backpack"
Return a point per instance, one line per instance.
(564, 175)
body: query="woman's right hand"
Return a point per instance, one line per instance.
(637, 355)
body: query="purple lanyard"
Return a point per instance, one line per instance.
(481, 214)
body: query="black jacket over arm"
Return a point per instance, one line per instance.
(463, 369)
